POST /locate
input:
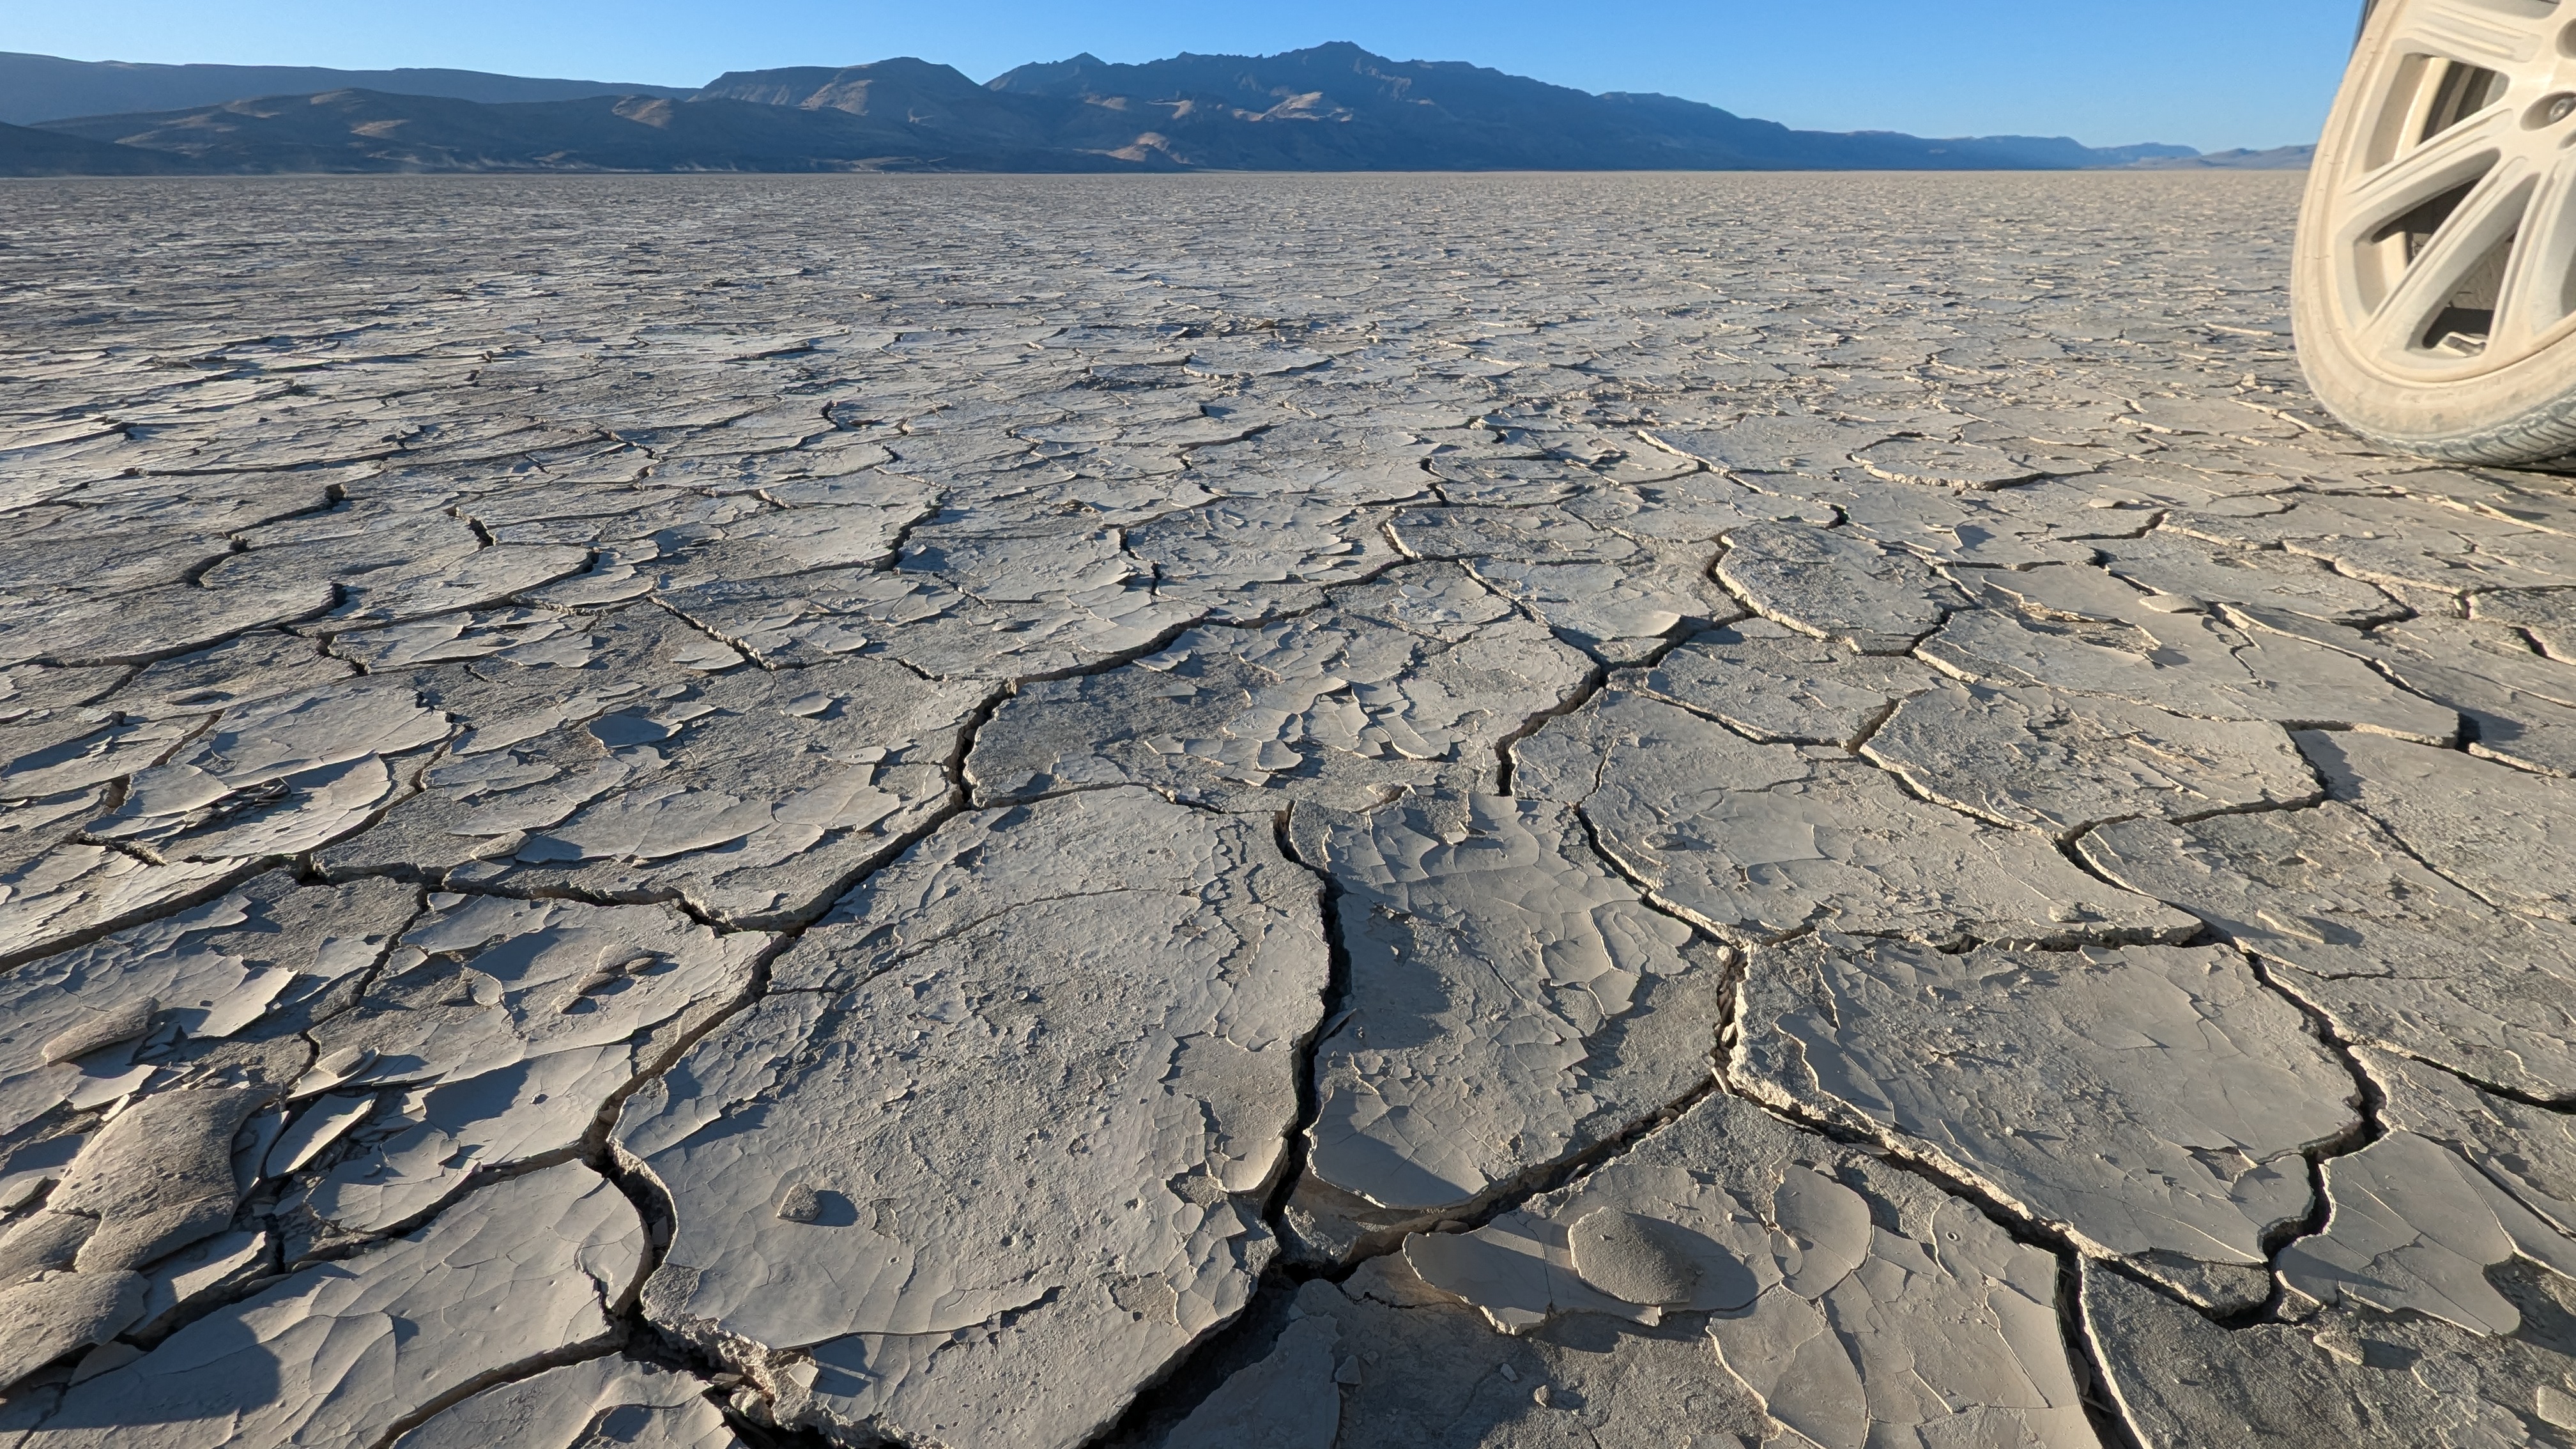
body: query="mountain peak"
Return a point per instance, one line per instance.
(905, 83)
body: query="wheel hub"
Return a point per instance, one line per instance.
(2453, 213)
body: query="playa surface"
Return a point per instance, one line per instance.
(1271, 811)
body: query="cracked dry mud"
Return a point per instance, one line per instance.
(1818, 812)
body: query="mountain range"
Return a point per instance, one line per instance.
(1332, 107)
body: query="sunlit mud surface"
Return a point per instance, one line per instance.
(1285, 812)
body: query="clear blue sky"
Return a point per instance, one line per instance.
(2206, 73)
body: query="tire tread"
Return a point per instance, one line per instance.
(2545, 434)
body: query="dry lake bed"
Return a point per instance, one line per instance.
(1267, 812)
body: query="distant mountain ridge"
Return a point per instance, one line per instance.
(369, 131)
(25, 151)
(2279, 158)
(37, 88)
(1332, 107)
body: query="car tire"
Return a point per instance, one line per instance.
(2434, 282)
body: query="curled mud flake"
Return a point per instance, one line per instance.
(72, 891)
(158, 1177)
(1843, 1300)
(1523, 535)
(2528, 1151)
(2013, 528)
(1630, 1257)
(2548, 616)
(2431, 1307)
(42, 1242)
(2341, 1377)
(1512, 1004)
(1835, 585)
(341, 1064)
(1410, 682)
(277, 776)
(2349, 921)
(1776, 444)
(2264, 584)
(196, 1277)
(1617, 612)
(2079, 629)
(64, 762)
(120, 1023)
(751, 795)
(611, 1400)
(2192, 1091)
(2405, 542)
(314, 1131)
(2506, 834)
(528, 1267)
(152, 624)
(64, 1313)
(496, 1041)
(1289, 1399)
(1758, 842)
(1927, 461)
(2519, 706)
(2416, 1228)
(2059, 762)
(1776, 685)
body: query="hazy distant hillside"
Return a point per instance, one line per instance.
(25, 151)
(372, 131)
(2279, 158)
(1328, 108)
(47, 88)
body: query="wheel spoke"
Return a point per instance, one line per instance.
(2458, 155)
(2483, 219)
(2542, 274)
(2469, 31)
